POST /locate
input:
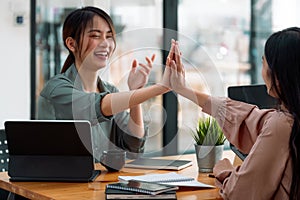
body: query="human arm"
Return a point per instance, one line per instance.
(114, 103)
(177, 79)
(248, 128)
(243, 124)
(239, 121)
(137, 78)
(122, 137)
(68, 101)
(231, 115)
(264, 173)
(117, 102)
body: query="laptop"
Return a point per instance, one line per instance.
(54, 150)
(253, 94)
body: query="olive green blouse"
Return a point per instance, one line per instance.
(63, 98)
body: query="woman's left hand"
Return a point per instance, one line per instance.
(138, 77)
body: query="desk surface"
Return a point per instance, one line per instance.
(95, 190)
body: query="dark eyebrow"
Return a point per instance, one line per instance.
(96, 30)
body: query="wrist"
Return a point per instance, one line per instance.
(163, 87)
(133, 88)
(181, 90)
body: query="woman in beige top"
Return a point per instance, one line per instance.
(270, 137)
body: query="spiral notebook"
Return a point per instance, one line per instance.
(171, 178)
(123, 194)
(141, 187)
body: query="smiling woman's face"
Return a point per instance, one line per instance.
(97, 45)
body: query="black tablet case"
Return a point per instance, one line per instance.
(50, 151)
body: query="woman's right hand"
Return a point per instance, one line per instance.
(222, 170)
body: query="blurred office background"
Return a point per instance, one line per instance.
(221, 41)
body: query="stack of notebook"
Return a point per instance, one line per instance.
(133, 189)
(171, 178)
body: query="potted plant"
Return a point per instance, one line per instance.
(209, 143)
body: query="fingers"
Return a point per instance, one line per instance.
(145, 74)
(176, 69)
(153, 57)
(166, 77)
(150, 61)
(134, 65)
(173, 70)
(173, 66)
(175, 55)
(168, 62)
(178, 58)
(171, 52)
(147, 68)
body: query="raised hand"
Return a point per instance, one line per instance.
(166, 76)
(171, 55)
(177, 76)
(138, 77)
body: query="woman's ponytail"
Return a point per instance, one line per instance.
(68, 62)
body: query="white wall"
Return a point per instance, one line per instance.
(15, 61)
(285, 14)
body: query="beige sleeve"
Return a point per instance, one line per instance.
(240, 122)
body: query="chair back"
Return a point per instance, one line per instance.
(4, 155)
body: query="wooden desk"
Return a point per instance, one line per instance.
(95, 190)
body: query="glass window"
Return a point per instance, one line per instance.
(214, 40)
(50, 51)
(218, 45)
(139, 34)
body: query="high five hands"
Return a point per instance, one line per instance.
(173, 77)
(174, 74)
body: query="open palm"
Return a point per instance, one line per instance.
(139, 76)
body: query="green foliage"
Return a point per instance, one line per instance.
(208, 132)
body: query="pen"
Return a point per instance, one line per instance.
(211, 175)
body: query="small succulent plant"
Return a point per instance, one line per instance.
(208, 132)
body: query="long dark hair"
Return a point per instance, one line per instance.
(282, 52)
(75, 24)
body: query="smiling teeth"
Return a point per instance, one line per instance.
(102, 54)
